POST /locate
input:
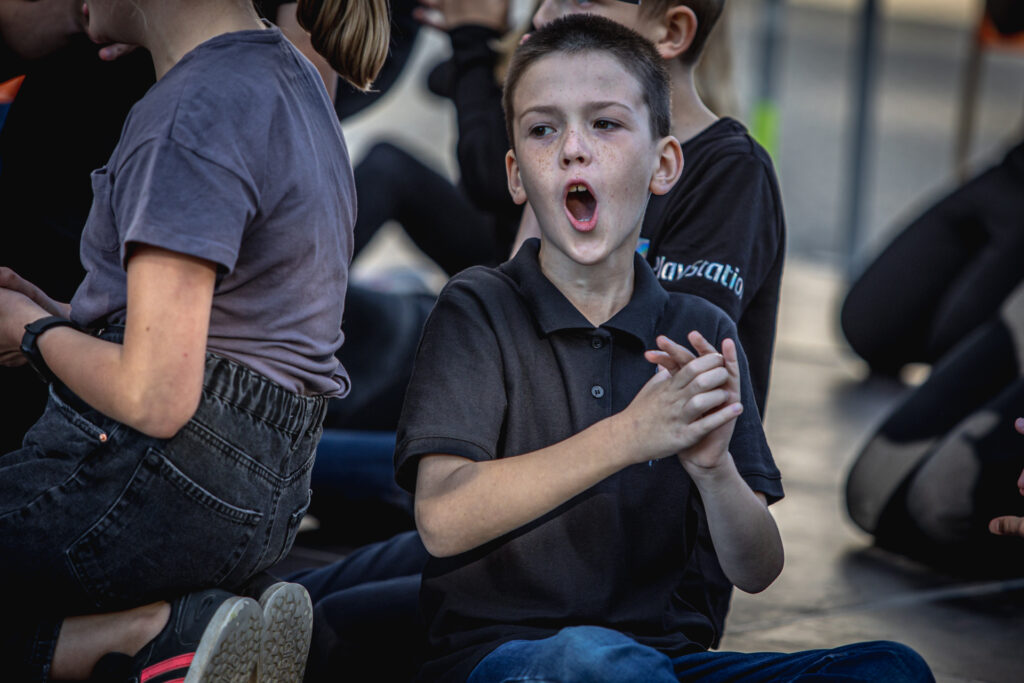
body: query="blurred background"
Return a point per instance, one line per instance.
(914, 106)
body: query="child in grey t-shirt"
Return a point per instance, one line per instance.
(190, 374)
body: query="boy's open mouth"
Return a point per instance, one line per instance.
(581, 206)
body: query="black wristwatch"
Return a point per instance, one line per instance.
(30, 343)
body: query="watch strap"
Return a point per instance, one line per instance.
(30, 343)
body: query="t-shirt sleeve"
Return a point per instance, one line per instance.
(456, 401)
(748, 446)
(166, 195)
(720, 242)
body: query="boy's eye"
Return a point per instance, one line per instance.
(540, 131)
(605, 124)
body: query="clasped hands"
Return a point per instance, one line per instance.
(689, 408)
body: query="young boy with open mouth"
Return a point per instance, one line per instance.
(564, 449)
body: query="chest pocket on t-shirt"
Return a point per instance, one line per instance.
(100, 229)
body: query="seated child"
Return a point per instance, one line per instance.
(563, 449)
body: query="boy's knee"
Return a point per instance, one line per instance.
(577, 654)
(885, 660)
(601, 655)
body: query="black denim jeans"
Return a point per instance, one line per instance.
(97, 517)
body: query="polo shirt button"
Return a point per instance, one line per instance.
(597, 391)
(597, 342)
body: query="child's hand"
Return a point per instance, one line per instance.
(686, 400)
(11, 280)
(711, 451)
(1009, 525)
(16, 311)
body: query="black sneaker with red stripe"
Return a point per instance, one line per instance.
(211, 635)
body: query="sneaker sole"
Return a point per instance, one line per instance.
(230, 645)
(287, 631)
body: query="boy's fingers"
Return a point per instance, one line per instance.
(1007, 526)
(731, 358)
(1018, 424)
(663, 360)
(715, 378)
(694, 369)
(679, 353)
(703, 402)
(702, 345)
(719, 418)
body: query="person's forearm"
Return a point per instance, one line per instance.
(482, 141)
(155, 400)
(471, 503)
(152, 382)
(743, 531)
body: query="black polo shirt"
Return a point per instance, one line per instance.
(507, 365)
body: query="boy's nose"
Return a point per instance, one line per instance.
(574, 149)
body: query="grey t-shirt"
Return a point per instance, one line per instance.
(235, 156)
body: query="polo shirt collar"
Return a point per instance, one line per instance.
(553, 312)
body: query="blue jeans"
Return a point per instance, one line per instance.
(97, 517)
(591, 654)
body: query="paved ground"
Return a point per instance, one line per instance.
(836, 588)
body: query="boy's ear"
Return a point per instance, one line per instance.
(678, 28)
(670, 165)
(515, 182)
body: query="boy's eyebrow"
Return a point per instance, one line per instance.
(590, 106)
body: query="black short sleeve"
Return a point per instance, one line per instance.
(723, 249)
(455, 402)
(720, 234)
(748, 445)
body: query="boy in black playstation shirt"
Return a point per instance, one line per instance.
(563, 449)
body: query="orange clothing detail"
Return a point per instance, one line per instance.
(8, 89)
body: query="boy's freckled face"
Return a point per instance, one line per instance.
(584, 153)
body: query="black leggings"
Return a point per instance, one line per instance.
(944, 275)
(947, 460)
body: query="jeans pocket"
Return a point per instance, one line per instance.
(292, 530)
(165, 534)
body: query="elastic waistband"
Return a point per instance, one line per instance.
(251, 392)
(262, 398)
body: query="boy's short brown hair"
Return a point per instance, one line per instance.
(707, 13)
(580, 33)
